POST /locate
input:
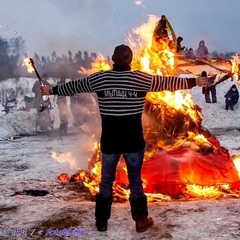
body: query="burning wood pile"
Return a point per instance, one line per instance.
(182, 159)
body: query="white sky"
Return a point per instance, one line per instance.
(100, 25)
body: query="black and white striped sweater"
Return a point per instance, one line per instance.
(121, 96)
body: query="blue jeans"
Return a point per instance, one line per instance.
(134, 163)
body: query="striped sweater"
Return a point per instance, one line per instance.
(121, 96)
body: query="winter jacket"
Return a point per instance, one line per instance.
(232, 96)
(202, 50)
(38, 96)
(121, 97)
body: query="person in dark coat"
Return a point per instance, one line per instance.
(211, 90)
(63, 109)
(121, 96)
(42, 105)
(38, 99)
(160, 31)
(190, 53)
(232, 97)
(180, 48)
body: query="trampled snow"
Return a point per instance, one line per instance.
(26, 163)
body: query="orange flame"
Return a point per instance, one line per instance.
(28, 63)
(204, 191)
(150, 56)
(67, 157)
(99, 64)
(63, 177)
(235, 66)
(236, 160)
(155, 58)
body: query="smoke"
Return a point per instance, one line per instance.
(78, 26)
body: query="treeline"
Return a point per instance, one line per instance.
(10, 53)
(227, 55)
(13, 52)
(66, 65)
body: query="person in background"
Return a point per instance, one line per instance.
(211, 89)
(64, 113)
(160, 32)
(232, 97)
(38, 99)
(202, 50)
(80, 105)
(190, 53)
(121, 96)
(42, 105)
(180, 48)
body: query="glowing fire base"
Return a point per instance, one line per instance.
(170, 171)
(182, 160)
(180, 155)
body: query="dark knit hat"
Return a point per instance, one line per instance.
(179, 38)
(234, 86)
(44, 75)
(122, 55)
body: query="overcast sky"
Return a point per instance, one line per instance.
(100, 25)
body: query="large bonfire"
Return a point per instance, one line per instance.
(182, 159)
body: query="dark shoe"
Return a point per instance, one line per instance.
(208, 101)
(102, 212)
(143, 224)
(101, 225)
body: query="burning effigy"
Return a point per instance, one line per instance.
(182, 158)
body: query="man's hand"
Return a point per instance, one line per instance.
(202, 81)
(45, 90)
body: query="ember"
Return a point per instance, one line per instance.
(28, 62)
(182, 159)
(63, 177)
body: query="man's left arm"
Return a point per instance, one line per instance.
(173, 83)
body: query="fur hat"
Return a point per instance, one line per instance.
(122, 55)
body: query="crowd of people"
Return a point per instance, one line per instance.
(200, 52)
(77, 102)
(43, 106)
(209, 91)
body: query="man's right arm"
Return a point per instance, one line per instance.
(69, 88)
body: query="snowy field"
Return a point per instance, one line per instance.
(26, 164)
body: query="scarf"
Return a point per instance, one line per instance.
(121, 67)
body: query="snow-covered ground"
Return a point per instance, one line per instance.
(26, 164)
